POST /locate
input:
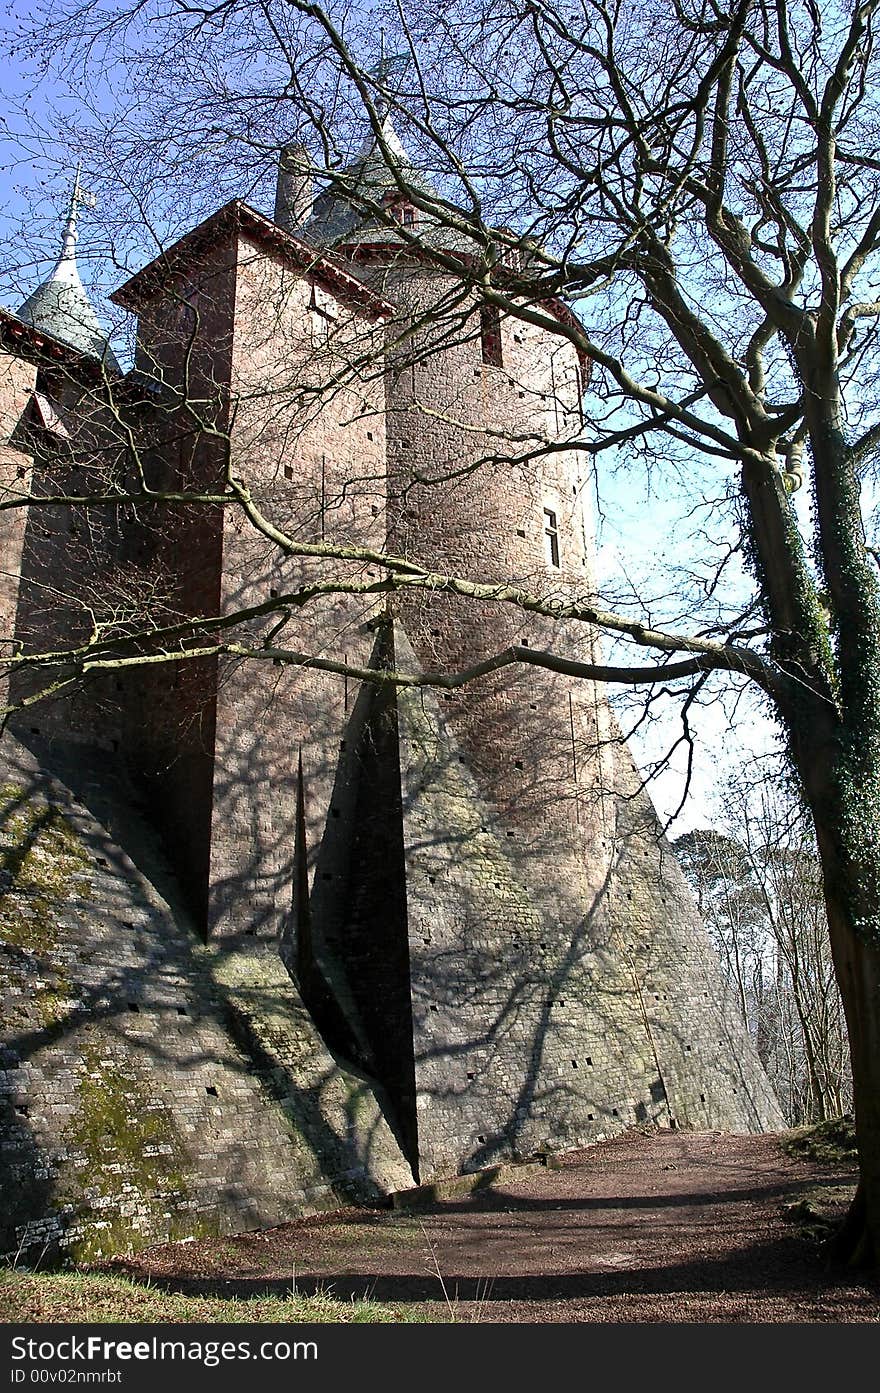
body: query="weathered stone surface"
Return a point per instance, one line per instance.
(152, 1087)
(391, 935)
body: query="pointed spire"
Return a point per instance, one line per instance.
(60, 307)
(78, 196)
(370, 151)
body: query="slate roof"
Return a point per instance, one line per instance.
(60, 306)
(338, 217)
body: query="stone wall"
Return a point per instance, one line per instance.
(494, 952)
(17, 382)
(151, 1087)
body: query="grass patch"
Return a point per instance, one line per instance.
(90, 1298)
(831, 1143)
(817, 1213)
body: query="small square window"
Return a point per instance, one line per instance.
(322, 312)
(322, 302)
(401, 211)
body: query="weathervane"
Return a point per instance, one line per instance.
(389, 65)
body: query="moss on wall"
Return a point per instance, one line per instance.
(125, 1153)
(43, 866)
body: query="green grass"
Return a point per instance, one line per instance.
(89, 1298)
(832, 1143)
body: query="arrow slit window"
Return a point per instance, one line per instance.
(551, 539)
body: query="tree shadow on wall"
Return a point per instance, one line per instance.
(512, 1004)
(138, 995)
(466, 966)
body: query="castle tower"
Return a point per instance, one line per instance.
(246, 325)
(59, 359)
(561, 985)
(446, 921)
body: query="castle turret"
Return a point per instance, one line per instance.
(293, 191)
(379, 178)
(560, 983)
(60, 306)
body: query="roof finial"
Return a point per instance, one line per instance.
(79, 197)
(391, 66)
(60, 306)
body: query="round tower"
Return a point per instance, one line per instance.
(561, 984)
(483, 485)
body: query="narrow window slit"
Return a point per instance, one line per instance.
(551, 539)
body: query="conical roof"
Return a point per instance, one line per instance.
(373, 175)
(60, 307)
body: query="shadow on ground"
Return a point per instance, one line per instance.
(641, 1227)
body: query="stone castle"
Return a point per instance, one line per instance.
(275, 937)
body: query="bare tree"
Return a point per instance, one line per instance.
(759, 887)
(701, 178)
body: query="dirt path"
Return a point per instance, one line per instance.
(662, 1227)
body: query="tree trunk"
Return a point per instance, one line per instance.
(857, 965)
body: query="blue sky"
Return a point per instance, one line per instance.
(644, 534)
(35, 168)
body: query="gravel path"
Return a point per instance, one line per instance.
(666, 1226)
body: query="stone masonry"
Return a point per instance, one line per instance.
(273, 937)
(152, 1087)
